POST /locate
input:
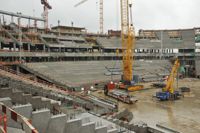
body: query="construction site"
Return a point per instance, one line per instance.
(66, 79)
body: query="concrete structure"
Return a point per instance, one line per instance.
(69, 74)
(197, 63)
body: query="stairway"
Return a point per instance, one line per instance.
(17, 30)
(11, 36)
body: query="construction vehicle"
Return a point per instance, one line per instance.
(120, 95)
(168, 92)
(128, 44)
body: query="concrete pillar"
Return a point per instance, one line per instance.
(14, 46)
(18, 71)
(57, 124)
(44, 48)
(29, 47)
(73, 126)
(0, 45)
(40, 120)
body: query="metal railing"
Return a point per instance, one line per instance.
(26, 124)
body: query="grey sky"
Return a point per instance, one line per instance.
(147, 14)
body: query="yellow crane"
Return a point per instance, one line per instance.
(101, 18)
(170, 82)
(168, 92)
(128, 40)
(128, 45)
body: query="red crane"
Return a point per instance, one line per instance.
(47, 7)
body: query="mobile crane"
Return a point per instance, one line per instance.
(168, 92)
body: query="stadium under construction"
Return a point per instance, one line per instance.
(64, 79)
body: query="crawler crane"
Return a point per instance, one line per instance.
(128, 44)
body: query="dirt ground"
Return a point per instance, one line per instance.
(182, 115)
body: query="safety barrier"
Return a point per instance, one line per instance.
(26, 125)
(3, 122)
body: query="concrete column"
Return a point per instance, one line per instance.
(18, 71)
(29, 47)
(14, 46)
(44, 48)
(0, 45)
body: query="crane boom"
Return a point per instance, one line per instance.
(168, 92)
(169, 86)
(101, 18)
(128, 41)
(80, 3)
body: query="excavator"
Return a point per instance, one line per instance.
(168, 92)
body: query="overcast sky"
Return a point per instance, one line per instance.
(147, 14)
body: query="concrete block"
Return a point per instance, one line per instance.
(102, 129)
(17, 97)
(7, 101)
(24, 110)
(36, 102)
(6, 92)
(57, 124)
(26, 98)
(40, 120)
(88, 127)
(73, 126)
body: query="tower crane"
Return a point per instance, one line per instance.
(101, 18)
(168, 92)
(46, 7)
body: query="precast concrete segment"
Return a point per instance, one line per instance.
(101, 129)
(88, 127)
(57, 124)
(40, 119)
(73, 126)
(24, 110)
